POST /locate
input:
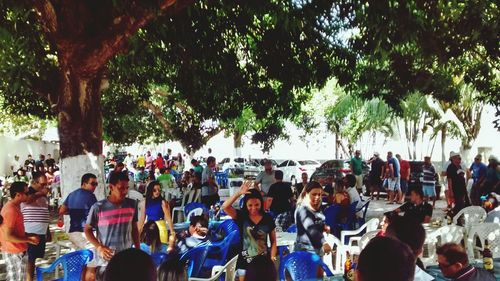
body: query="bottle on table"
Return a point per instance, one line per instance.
(348, 268)
(487, 257)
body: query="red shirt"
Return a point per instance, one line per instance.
(160, 163)
(405, 169)
(12, 218)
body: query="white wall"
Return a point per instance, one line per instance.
(10, 147)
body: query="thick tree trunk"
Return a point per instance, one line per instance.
(237, 138)
(443, 146)
(80, 131)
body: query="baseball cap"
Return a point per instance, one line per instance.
(453, 154)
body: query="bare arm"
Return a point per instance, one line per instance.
(170, 223)
(142, 215)
(63, 210)
(228, 204)
(10, 236)
(135, 236)
(274, 247)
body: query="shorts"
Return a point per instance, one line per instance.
(37, 251)
(394, 184)
(16, 266)
(429, 190)
(80, 241)
(404, 185)
(359, 181)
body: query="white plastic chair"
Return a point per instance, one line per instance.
(229, 268)
(365, 239)
(340, 254)
(355, 235)
(188, 198)
(486, 231)
(442, 235)
(472, 215)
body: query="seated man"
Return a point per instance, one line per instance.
(197, 234)
(454, 264)
(412, 234)
(385, 258)
(416, 209)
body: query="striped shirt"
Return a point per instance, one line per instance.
(429, 174)
(113, 223)
(36, 215)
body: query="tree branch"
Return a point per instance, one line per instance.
(158, 114)
(124, 28)
(47, 16)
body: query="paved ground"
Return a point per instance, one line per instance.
(376, 210)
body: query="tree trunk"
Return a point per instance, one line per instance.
(80, 131)
(335, 136)
(443, 146)
(237, 138)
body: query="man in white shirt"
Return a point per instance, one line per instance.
(265, 178)
(350, 184)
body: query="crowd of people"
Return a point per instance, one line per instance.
(135, 219)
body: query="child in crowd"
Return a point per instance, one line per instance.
(197, 234)
(150, 239)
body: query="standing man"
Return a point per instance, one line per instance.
(40, 164)
(477, 169)
(15, 165)
(50, 162)
(356, 165)
(209, 189)
(197, 168)
(405, 175)
(375, 175)
(77, 205)
(299, 187)
(393, 184)
(13, 239)
(114, 220)
(29, 165)
(265, 178)
(456, 183)
(36, 219)
(429, 181)
(279, 201)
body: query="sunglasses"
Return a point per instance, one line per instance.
(94, 183)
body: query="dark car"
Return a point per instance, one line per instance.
(416, 175)
(335, 168)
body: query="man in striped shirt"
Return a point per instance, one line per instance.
(115, 221)
(429, 181)
(36, 219)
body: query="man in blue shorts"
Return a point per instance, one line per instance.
(429, 181)
(394, 186)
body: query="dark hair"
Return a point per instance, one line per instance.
(163, 170)
(172, 270)
(130, 265)
(210, 159)
(150, 235)
(201, 219)
(313, 185)
(453, 253)
(374, 266)
(351, 180)
(37, 175)
(253, 194)
(120, 164)
(86, 177)
(149, 192)
(278, 174)
(1, 220)
(17, 187)
(261, 268)
(419, 192)
(115, 177)
(408, 231)
(193, 161)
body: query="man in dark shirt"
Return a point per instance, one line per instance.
(456, 183)
(416, 209)
(279, 198)
(375, 176)
(454, 264)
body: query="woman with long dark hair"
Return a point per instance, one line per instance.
(156, 208)
(255, 227)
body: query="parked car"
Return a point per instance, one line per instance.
(293, 169)
(260, 161)
(250, 168)
(416, 176)
(337, 168)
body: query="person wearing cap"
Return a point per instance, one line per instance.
(375, 175)
(456, 183)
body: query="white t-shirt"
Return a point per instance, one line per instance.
(353, 197)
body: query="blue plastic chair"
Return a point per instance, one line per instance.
(159, 258)
(292, 229)
(303, 266)
(195, 259)
(194, 205)
(218, 251)
(227, 227)
(331, 213)
(222, 179)
(72, 264)
(364, 209)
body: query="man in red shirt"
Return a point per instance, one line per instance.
(13, 239)
(405, 175)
